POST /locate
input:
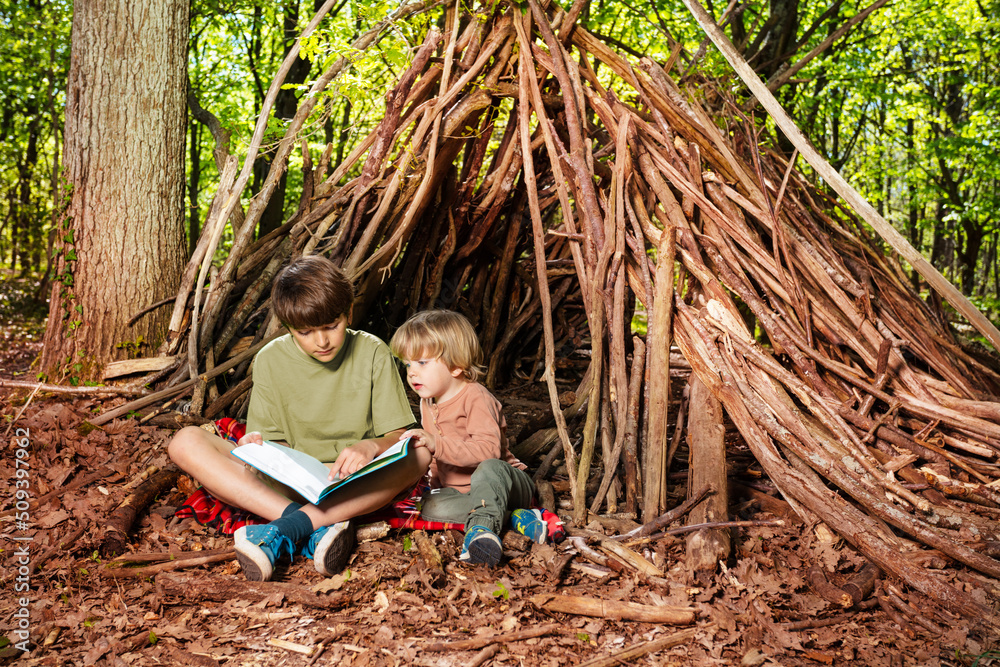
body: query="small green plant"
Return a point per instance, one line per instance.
(501, 592)
(584, 637)
(133, 348)
(407, 543)
(152, 637)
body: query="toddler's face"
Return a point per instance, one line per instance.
(432, 378)
(322, 343)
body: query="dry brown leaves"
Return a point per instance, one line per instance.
(385, 610)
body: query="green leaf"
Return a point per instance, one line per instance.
(501, 591)
(396, 57)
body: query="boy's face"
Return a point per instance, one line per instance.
(322, 343)
(432, 378)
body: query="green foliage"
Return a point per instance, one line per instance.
(501, 592)
(133, 348)
(908, 108)
(34, 38)
(236, 50)
(906, 104)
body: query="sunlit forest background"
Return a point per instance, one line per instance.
(903, 102)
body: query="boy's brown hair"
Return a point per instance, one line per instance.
(309, 292)
(440, 334)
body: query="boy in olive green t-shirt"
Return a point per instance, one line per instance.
(329, 391)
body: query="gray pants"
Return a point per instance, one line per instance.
(497, 489)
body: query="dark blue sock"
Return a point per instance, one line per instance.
(296, 525)
(291, 508)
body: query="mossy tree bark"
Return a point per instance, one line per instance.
(122, 236)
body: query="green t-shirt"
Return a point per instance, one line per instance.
(322, 407)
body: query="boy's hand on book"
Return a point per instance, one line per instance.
(353, 458)
(251, 438)
(421, 438)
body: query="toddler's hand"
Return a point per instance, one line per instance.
(421, 438)
(253, 437)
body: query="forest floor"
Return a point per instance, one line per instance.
(388, 607)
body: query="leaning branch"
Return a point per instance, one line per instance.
(934, 278)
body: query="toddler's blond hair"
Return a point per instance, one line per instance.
(440, 334)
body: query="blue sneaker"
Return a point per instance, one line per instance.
(481, 547)
(330, 547)
(530, 524)
(258, 547)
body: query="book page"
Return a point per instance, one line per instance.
(304, 473)
(375, 463)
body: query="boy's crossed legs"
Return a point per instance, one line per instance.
(208, 459)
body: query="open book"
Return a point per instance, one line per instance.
(308, 475)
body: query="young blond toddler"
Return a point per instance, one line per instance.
(474, 478)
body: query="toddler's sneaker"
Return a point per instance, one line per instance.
(258, 548)
(539, 525)
(481, 547)
(530, 524)
(330, 547)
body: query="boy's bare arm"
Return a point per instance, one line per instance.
(361, 453)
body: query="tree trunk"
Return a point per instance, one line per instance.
(27, 223)
(284, 108)
(123, 238)
(969, 256)
(194, 180)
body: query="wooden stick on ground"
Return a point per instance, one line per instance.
(200, 587)
(627, 656)
(164, 556)
(430, 557)
(506, 638)
(121, 519)
(667, 518)
(81, 391)
(614, 609)
(179, 564)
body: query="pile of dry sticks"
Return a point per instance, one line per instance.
(527, 175)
